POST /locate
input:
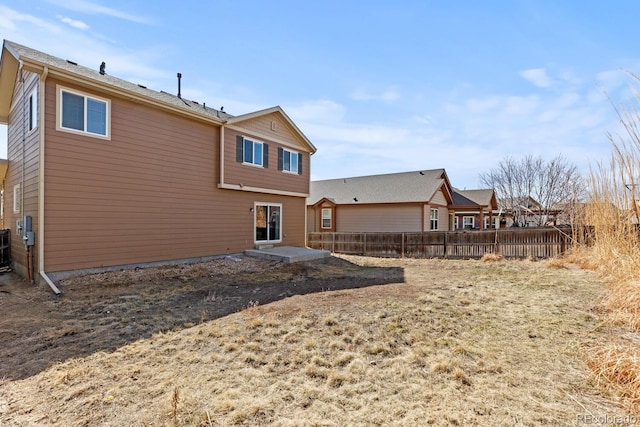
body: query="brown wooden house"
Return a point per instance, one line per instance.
(106, 173)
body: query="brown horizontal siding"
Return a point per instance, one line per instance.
(262, 125)
(270, 178)
(23, 156)
(148, 194)
(381, 218)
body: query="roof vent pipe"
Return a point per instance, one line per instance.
(179, 78)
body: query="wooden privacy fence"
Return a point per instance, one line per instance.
(510, 243)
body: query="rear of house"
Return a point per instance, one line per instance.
(104, 173)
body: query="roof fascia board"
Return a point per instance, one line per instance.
(322, 201)
(37, 67)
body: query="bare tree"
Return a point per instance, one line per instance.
(533, 190)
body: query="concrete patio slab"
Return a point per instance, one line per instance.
(288, 254)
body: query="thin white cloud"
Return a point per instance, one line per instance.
(83, 6)
(11, 20)
(73, 22)
(537, 76)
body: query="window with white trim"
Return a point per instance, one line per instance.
(253, 152)
(468, 222)
(83, 113)
(268, 222)
(17, 198)
(493, 224)
(434, 219)
(33, 110)
(289, 161)
(326, 218)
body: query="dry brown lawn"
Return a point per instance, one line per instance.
(466, 343)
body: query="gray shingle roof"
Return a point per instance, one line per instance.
(27, 53)
(480, 197)
(417, 186)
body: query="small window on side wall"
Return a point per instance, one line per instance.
(83, 113)
(33, 110)
(434, 219)
(17, 198)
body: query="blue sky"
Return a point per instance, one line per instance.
(377, 86)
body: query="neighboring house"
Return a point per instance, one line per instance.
(398, 202)
(475, 209)
(521, 212)
(103, 172)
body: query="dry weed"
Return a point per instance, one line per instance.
(616, 365)
(459, 342)
(491, 257)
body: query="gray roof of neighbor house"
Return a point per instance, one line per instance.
(417, 186)
(482, 197)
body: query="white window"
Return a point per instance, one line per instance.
(83, 113)
(468, 222)
(326, 217)
(33, 110)
(290, 161)
(434, 219)
(487, 224)
(268, 222)
(253, 152)
(17, 198)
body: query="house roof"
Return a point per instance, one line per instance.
(37, 61)
(482, 197)
(14, 54)
(404, 187)
(280, 111)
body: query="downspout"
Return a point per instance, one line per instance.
(41, 117)
(221, 156)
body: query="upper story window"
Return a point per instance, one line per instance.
(434, 219)
(33, 109)
(289, 161)
(79, 112)
(252, 152)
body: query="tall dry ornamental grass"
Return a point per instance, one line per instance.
(613, 212)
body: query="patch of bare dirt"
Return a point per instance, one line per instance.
(103, 312)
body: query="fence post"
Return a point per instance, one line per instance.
(333, 242)
(402, 246)
(446, 235)
(364, 245)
